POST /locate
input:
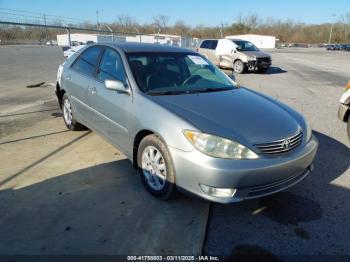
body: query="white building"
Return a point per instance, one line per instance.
(260, 41)
(164, 39)
(81, 38)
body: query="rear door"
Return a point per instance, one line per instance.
(110, 110)
(77, 79)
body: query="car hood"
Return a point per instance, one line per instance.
(238, 114)
(256, 53)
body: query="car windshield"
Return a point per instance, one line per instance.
(245, 46)
(176, 73)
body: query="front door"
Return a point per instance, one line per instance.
(110, 110)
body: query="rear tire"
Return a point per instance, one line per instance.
(239, 67)
(156, 167)
(68, 115)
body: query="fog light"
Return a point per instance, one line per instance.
(218, 192)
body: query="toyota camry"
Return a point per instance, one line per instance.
(183, 123)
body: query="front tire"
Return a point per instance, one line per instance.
(156, 168)
(239, 67)
(68, 115)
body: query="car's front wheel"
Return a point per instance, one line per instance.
(156, 168)
(68, 115)
(238, 67)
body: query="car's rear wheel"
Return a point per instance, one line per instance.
(156, 168)
(68, 115)
(238, 67)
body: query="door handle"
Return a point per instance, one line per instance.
(92, 90)
(68, 77)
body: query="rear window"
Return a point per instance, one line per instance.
(205, 44)
(209, 44)
(213, 44)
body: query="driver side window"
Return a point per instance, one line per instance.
(111, 66)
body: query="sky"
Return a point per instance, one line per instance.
(192, 12)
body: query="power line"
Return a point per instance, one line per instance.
(38, 13)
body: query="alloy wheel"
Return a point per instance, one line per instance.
(154, 167)
(67, 112)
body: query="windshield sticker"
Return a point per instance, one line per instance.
(197, 60)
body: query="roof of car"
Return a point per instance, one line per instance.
(129, 47)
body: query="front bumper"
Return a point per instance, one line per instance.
(250, 178)
(342, 110)
(259, 63)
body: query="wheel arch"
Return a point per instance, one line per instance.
(238, 59)
(137, 140)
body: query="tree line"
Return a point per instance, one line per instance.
(287, 31)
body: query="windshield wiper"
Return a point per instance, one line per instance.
(210, 89)
(165, 92)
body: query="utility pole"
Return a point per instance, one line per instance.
(45, 27)
(330, 35)
(331, 32)
(98, 21)
(222, 30)
(139, 33)
(69, 39)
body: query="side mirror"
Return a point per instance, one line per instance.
(116, 85)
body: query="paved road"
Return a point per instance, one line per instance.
(312, 217)
(21, 66)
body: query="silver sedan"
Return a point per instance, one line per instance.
(183, 123)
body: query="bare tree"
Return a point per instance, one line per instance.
(161, 22)
(180, 28)
(126, 22)
(252, 22)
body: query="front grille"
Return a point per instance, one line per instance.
(263, 60)
(280, 146)
(263, 190)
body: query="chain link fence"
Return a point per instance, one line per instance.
(19, 33)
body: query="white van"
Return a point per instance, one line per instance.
(239, 55)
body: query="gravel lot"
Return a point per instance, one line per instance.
(310, 218)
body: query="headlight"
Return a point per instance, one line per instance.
(218, 147)
(308, 130)
(251, 58)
